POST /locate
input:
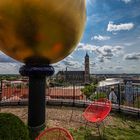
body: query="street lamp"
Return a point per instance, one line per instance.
(39, 33)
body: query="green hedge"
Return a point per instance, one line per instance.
(12, 128)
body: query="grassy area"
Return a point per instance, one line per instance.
(120, 128)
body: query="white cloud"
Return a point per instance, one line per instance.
(108, 52)
(118, 27)
(102, 53)
(72, 64)
(100, 38)
(69, 62)
(6, 59)
(8, 65)
(90, 2)
(70, 56)
(86, 47)
(129, 44)
(119, 67)
(9, 68)
(132, 56)
(126, 1)
(101, 59)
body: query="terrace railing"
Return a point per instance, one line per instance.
(128, 95)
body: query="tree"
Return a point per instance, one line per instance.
(88, 90)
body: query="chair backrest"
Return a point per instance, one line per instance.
(55, 133)
(103, 102)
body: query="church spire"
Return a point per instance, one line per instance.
(87, 70)
(87, 54)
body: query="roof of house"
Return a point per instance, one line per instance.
(71, 73)
(68, 92)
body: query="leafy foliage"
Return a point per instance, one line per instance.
(98, 96)
(88, 90)
(12, 128)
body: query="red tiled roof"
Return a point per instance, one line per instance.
(63, 92)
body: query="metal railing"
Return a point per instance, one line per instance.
(128, 96)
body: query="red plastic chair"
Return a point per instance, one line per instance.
(97, 111)
(55, 133)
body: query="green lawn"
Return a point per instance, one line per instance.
(118, 127)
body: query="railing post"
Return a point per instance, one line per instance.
(73, 94)
(119, 97)
(138, 101)
(133, 97)
(0, 93)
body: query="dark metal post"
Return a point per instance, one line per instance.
(138, 101)
(133, 96)
(0, 93)
(37, 87)
(36, 109)
(73, 94)
(119, 97)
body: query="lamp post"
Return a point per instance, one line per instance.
(39, 33)
(37, 90)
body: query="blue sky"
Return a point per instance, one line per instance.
(111, 37)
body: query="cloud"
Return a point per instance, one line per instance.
(129, 43)
(132, 56)
(69, 62)
(119, 67)
(90, 2)
(103, 53)
(119, 27)
(6, 59)
(101, 59)
(8, 65)
(70, 56)
(92, 63)
(72, 64)
(9, 68)
(86, 47)
(126, 1)
(58, 66)
(108, 52)
(100, 38)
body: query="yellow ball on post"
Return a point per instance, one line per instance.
(48, 29)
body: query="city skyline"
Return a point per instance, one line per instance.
(111, 38)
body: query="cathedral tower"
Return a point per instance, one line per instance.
(87, 70)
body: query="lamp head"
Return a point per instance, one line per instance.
(45, 29)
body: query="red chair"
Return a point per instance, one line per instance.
(97, 111)
(55, 133)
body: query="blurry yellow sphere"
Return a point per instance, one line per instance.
(48, 29)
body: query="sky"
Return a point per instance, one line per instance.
(111, 38)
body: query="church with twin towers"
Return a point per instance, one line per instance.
(77, 76)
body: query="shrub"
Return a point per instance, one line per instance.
(12, 128)
(98, 96)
